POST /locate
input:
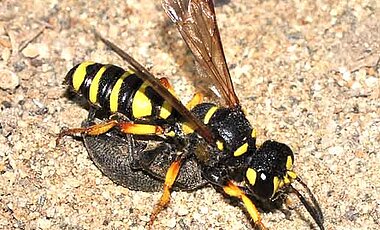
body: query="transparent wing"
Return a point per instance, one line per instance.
(145, 75)
(196, 21)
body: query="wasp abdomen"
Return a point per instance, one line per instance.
(117, 90)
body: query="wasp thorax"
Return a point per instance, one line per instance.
(270, 169)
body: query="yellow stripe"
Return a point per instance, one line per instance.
(141, 104)
(254, 133)
(94, 87)
(281, 184)
(142, 129)
(170, 134)
(114, 97)
(276, 183)
(187, 129)
(209, 114)
(80, 74)
(220, 145)
(286, 180)
(289, 163)
(241, 150)
(166, 110)
(291, 174)
(251, 176)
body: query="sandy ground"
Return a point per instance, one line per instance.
(307, 73)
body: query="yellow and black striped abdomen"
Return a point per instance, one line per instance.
(117, 90)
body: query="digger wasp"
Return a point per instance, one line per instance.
(150, 140)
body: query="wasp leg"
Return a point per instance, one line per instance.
(165, 82)
(197, 99)
(170, 177)
(232, 190)
(127, 127)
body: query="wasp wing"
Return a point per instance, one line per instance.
(146, 76)
(196, 21)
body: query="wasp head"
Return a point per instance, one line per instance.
(270, 169)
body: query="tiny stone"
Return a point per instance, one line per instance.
(333, 12)
(67, 53)
(43, 50)
(372, 82)
(182, 211)
(346, 75)
(22, 124)
(317, 87)
(2, 167)
(19, 66)
(6, 104)
(10, 206)
(339, 35)
(9, 80)
(46, 67)
(50, 212)
(44, 223)
(307, 66)
(72, 182)
(144, 218)
(361, 73)
(203, 210)
(171, 223)
(31, 51)
(106, 195)
(336, 150)
(356, 85)
(6, 54)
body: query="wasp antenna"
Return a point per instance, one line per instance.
(314, 209)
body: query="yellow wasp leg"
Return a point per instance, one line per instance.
(165, 82)
(140, 129)
(197, 99)
(233, 190)
(170, 177)
(124, 126)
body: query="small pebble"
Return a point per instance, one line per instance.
(203, 210)
(372, 82)
(144, 218)
(336, 150)
(171, 223)
(67, 53)
(9, 80)
(72, 182)
(30, 51)
(346, 75)
(44, 223)
(6, 54)
(356, 85)
(182, 211)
